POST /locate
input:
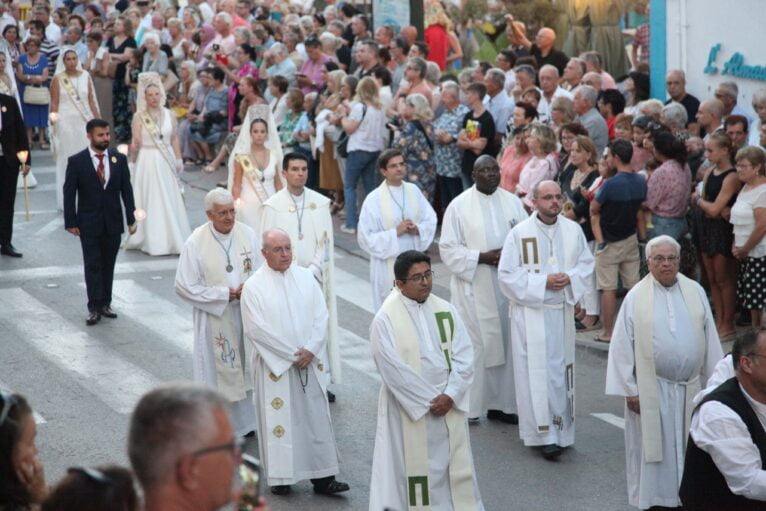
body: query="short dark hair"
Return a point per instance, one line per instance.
(383, 74)
(407, 260)
(388, 155)
(745, 345)
(736, 119)
(669, 146)
(530, 112)
(510, 56)
(330, 65)
(403, 44)
(218, 74)
(96, 123)
(13, 492)
(112, 488)
(37, 24)
(96, 37)
(423, 47)
(622, 149)
(478, 88)
(614, 98)
(293, 156)
(280, 82)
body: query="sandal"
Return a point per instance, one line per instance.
(208, 169)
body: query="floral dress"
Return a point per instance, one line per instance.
(414, 141)
(121, 111)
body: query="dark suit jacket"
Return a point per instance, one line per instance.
(13, 137)
(98, 209)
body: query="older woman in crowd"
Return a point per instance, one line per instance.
(759, 106)
(566, 136)
(97, 63)
(154, 58)
(177, 42)
(32, 72)
(365, 124)
(414, 141)
(277, 62)
(331, 165)
(542, 166)
(667, 194)
(22, 478)
(243, 64)
(447, 155)
(191, 92)
(713, 231)
(121, 40)
(562, 112)
(748, 216)
(514, 157)
(209, 127)
(674, 116)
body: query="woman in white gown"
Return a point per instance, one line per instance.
(73, 104)
(255, 163)
(155, 184)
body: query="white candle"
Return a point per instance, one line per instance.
(140, 214)
(123, 149)
(22, 156)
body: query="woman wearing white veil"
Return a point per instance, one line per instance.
(73, 104)
(155, 183)
(254, 164)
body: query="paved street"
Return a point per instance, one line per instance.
(84, 381)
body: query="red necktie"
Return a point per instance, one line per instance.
(100, 169)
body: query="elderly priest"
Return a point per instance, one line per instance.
(664, 347)
(285, 319)
(422, 457)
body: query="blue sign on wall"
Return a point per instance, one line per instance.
(734, 66)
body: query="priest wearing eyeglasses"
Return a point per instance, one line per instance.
(422, 455)
(664, 347)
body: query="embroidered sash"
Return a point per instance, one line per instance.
(414, 433)
(156, 135)
(253, 175)
(69, 86)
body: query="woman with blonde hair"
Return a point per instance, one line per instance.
(331, 165)
(542, 166)
(365, 124)
(414, 141)
(562, 112)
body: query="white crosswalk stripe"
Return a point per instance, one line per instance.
(97, 368)
(57, 271)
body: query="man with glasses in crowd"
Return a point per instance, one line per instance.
(664, 347)
(422, 452)
(183, 449)
(545, 268)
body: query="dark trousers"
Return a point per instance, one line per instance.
(99, 254)
(449, 188)
(9, 176)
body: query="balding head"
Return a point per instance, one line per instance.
(549, 79)
(710, 113)
(277, 249)
(545, 39)
(592, 79)
(675, 82)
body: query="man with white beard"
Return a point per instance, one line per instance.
(216, 260)
(664, 347)
(422, 457)
(285, 319)
(395, 217)
(545, 269)
(475, 226)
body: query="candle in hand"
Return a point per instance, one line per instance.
(140, 214)
(22, 155)
(123, 149)
(53, 117)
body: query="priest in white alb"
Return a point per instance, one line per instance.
(663, 349)
(285, 321)
(544, 270)
(215, 262)
(422, 457)
(475, 226)
(395, 217)
(305, 216)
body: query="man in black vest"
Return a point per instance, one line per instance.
(725, 464)
(97, 178)
(13, 138)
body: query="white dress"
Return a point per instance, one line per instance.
(69, 131)
(156, 191)
(255, 190)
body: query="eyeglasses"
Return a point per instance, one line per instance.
(91, 473)
(420, 277)
(662, 259)
(235, 447)
(8, 402)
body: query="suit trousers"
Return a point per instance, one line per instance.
(9, 176)
(99, 254)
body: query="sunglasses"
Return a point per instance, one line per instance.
(93, 474)
(8, 402)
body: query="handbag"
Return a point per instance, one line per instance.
(342, 146)
(36, 95)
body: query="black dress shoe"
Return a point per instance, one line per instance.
(497, 415)
(93, 318)
(251, 434)
(108, 313)
(10, 250)
(281, 489)
(551, 451)
(331, 488)
(330, 397)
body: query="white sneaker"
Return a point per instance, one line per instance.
(347, 230)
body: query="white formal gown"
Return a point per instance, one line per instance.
(251, 199)
(69, 130)
(156, 191)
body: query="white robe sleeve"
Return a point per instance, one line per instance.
(520, 286)
(580, 277)
(411, 391)
(426, 223)
(621, 365)
(461, 375)
(713, 351)
(455, 254)
(190, 283)
(380, 244)
(720, 432)
(316, 344)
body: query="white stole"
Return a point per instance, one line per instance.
(483, 287)
(646, 375)
(414, 433)
(534, 319)
(229, 360)
(391, 220)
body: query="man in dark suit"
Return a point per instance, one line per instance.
(97, 177)
(13, 138)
